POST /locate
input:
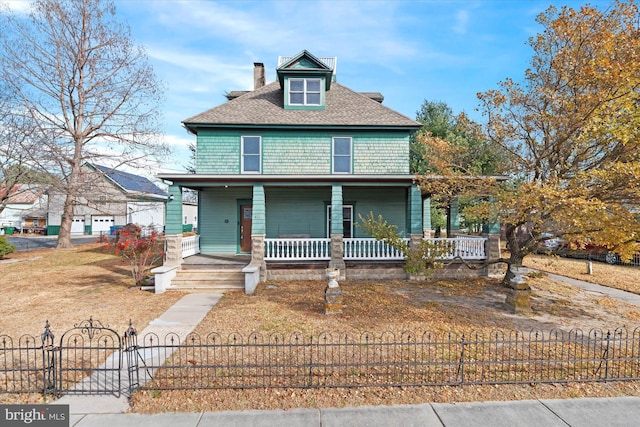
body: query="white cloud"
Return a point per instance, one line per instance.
(461, 22)
(20, 7)
(178, 141)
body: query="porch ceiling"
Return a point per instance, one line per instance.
(204, 180)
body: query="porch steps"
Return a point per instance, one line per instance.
(208, 280)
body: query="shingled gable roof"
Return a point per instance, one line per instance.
(265, 106)
(129, 182)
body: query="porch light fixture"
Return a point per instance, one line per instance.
(171, 197)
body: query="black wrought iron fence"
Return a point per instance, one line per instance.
(84, 360)
(91, 358)
(388, 359)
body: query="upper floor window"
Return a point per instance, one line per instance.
(251, 154)
(304, 92)
(341, 155)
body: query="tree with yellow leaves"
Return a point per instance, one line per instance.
(571, 130)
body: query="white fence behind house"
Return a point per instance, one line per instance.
(295, 249)
(190, 246)
(370, 249)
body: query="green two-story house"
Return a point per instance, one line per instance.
(284, 171)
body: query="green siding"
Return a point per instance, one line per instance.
(389, 202)
(219, 151)
(380, 153)
(219, 219)
(173, 215)
(303, 152)
(297, 211)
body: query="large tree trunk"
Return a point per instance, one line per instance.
(516, 254)
(71, 190)
(64, 235)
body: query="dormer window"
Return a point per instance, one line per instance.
(305, 91)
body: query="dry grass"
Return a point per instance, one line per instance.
(463, 306)
(614, 276)
(66, 287)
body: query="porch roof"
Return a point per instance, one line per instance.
(205, 180)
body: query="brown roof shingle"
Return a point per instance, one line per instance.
(264, 106)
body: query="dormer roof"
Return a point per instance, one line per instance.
(305, 64)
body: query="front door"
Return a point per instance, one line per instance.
(245, 228)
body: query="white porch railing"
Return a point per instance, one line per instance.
(190, 246)
(468, 248)
(307, 249)
(370, 249)
(296, 249)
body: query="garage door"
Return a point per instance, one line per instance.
(101, 224)
(77, 226)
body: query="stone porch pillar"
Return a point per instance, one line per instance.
(173, 227)
(173, 250)
(337, 231)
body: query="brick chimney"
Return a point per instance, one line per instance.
(258, 75)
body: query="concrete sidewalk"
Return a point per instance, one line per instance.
(622, 411)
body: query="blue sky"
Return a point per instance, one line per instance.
(409, 51)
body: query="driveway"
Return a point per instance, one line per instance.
(31, 243)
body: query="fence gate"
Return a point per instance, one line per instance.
(89, 360)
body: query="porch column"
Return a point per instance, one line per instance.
(453, 219)
(258, 230)
(415, 210)
(416, 216)
(337, 230)
(427, 231)
(491, 230)
(173, 227)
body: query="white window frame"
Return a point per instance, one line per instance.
(334, 155)
(350, 208)
(243, 155)
(305, 91)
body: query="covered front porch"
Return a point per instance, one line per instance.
(304, 227)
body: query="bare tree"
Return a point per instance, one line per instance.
(90, 93)
(16, 145)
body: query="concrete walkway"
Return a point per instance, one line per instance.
(604, 290)
(96, 411)
(180, 319)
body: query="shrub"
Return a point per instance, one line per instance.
(418, 260)
(140, 252)
(5, 247)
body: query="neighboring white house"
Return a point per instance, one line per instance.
(110, 199)
(26, 209)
